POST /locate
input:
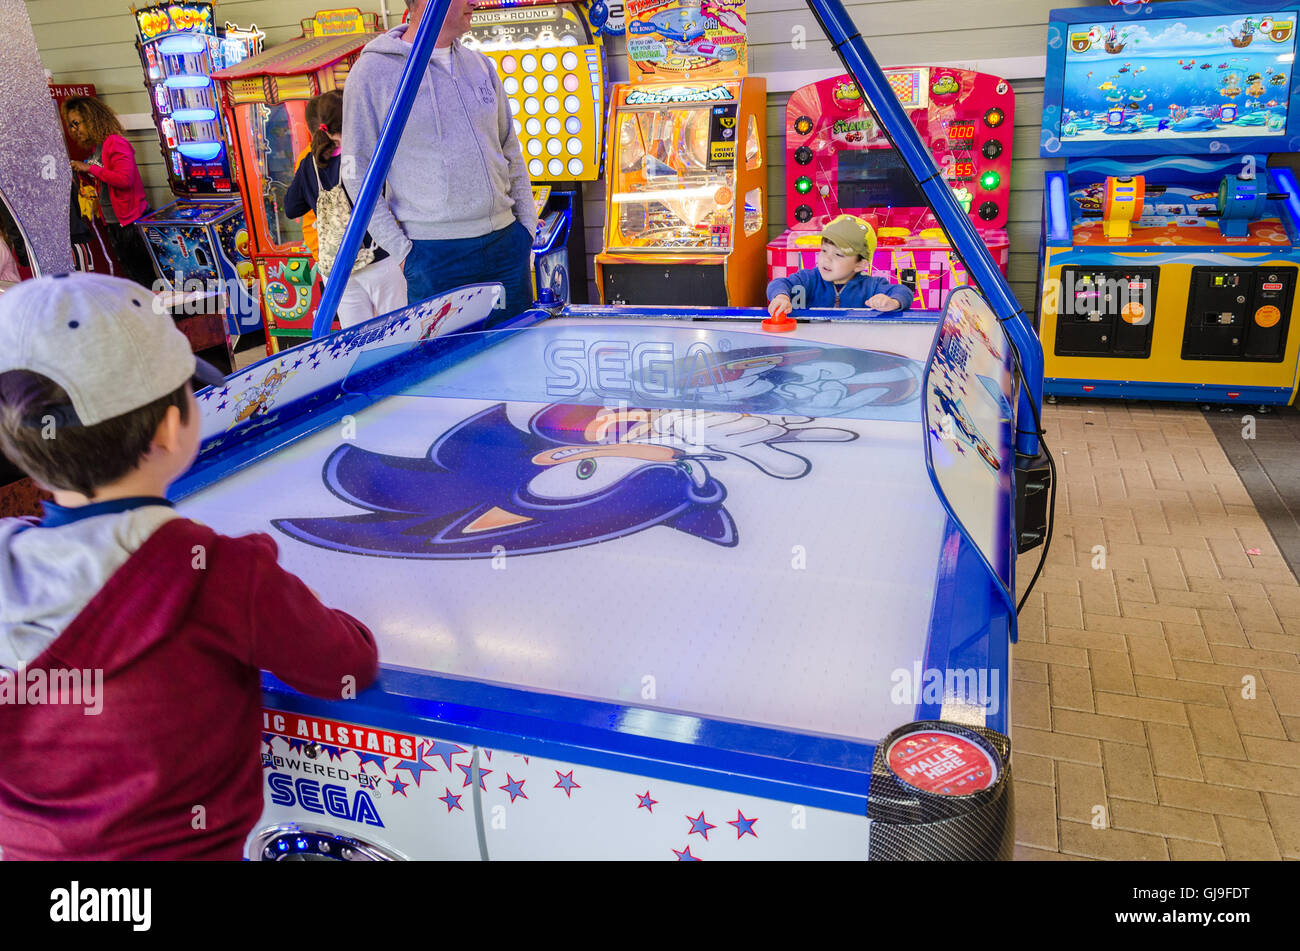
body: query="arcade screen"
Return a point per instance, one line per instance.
(876, 178)
(269, 131)
(1200, 76)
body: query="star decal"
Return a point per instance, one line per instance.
(469, 775)
(415, 767)
(515, 787)
(566, 783)
(645, 802)
(334, 752)
(453, 802)
(398, 786)
(222, 405)
(743, 826)
(685, 856)
(364, 758)
(445, 750)
(701, 825)
(296, 744)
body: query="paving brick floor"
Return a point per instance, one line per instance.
(1156, 683)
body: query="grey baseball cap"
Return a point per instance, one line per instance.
(103, 339)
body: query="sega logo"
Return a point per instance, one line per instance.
(312, 796)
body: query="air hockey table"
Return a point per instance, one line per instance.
(647, 584)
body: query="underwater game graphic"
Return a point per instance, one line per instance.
(576, 476)
(1203, 76)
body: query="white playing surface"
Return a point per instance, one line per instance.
(660, 618)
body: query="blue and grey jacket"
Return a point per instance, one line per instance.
(819, 292)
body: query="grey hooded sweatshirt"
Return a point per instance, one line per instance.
(458, 171)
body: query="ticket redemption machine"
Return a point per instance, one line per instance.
(265, 102)
(551, 61)
(199, 242)
(1168, 266)
(838, 161)
(685, 220)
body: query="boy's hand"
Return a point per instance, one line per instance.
(780, 304)
(882, 302)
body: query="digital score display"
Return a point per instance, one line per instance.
(961, 131)
(963, 171)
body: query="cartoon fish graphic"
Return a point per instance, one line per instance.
(577, 475)
(1278, 79)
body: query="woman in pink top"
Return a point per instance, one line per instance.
(122, 197)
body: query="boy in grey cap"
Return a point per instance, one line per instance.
(112, 586)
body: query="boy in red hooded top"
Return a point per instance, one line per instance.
(131, 639)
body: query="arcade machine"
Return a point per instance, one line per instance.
(838, 161)
(1169, 261)
(199, 242)
(264, 99)
(660, 472)
(685, 220)
(551, 61)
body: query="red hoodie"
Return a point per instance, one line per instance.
(180, 633)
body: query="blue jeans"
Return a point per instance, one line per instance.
(435, 267)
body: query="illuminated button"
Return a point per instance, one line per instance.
(573, 125)
(552, 104)
(514, 107)
(575, 167)
(531, 105)
(1268, 316)
(556, 167)
(550, 61)
(992, 149)
(550, 83)
(803, 213)
(990, 180)
(553, 126)
(534, 126)
(509, 63)
(569, 60)
(530, 84)
(572, 103)
(803, 125)
(529, 63)
(803, 155)
(803, 184)
(534, 146)
(571, 83)
(574, 146)
(1133, 312)
(535, 167)
(993, 118)
(554, 146)
(511, 85)
(988, 210)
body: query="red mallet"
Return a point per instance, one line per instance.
(780, 323)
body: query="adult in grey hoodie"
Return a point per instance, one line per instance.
(459, 204)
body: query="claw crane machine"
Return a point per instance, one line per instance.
(265, 101)
(685, 208)
(199, 242)
(551, 61)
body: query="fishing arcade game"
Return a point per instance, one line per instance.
(265, 102)
(1169, 262)
(551, 61)
(199, 242)
(685, 220)
(838, 161)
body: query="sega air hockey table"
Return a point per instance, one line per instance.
(645, 584)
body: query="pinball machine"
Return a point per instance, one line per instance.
(265, 100)
(685, 207)
(551, 60)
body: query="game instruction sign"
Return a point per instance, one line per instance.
(969, 388)
(673, 39)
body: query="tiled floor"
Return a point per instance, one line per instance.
(1156, 684)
